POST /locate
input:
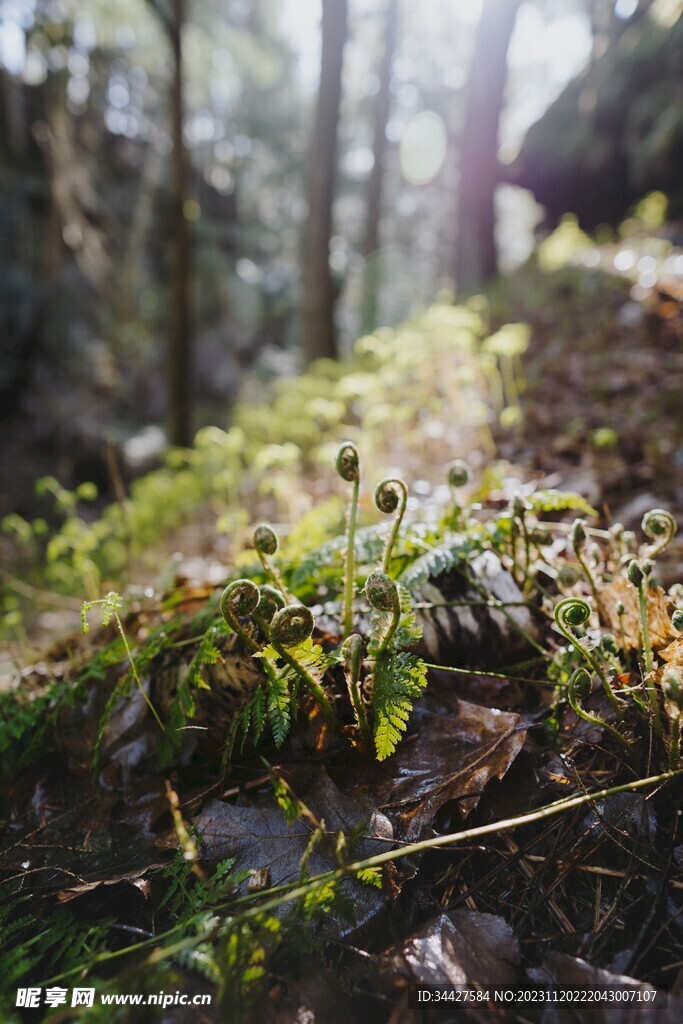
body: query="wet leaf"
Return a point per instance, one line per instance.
(259, 838)
(460, 948)
(570, 972)
(453, 755)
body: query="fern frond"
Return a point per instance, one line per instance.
(279, 713)
(558, 501)
(439, 560)
(398, 680)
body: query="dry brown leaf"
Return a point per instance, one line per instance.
(452, 757)
(658, 613)
(673, 654)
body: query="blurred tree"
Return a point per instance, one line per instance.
(376, 179)
(479, 168)
(179, 375)
(615, 133)
(320, 288)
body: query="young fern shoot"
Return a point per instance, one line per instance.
(391, 495)
(240, 598)
(661, 527)
(266, 544)
(353, 652)
(570, 613)
(458, 474)
(348, 467)
(382, 593)
(578, 690)
(288, 628)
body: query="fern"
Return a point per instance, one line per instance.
(252, 717)
(558, 501)
(398, 680)
(398, 677)
(279, 714)
(282, 684)
(439, 560)
(183, 707)
(27, 950)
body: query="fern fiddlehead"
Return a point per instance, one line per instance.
(391, 495)
(578, 690)
(570, 613)
(382, 594)
(239, 599)
(458, 473)
(288, 628)
(348, 467)
(266, 544)
(661, 527)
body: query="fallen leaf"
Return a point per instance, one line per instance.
(259, 838)
(451, 756)
(567, 972)
(134, 878)
(462, 948)
(659, 607)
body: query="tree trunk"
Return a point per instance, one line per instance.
(479, 169)
(179, 361)
(376, 180)
(320, 291)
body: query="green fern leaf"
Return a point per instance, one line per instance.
(398, 680)
(279, 701)
(439, 560)
(558, 501)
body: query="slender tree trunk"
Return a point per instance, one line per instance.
(320, 291)
(179, 361)
(479, 169)
(376, 180)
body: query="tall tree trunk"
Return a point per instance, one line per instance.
(479, 169)
(376, 179)
(179, 359)
(320, 291)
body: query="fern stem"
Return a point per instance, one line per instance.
(391, 495)
(349, 574)
(354, 660)
(136, 675)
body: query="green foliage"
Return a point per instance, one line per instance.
(271, 447)
(33, 948)
(27, 723)
(183, 705)
(558, 501)
(398, 680)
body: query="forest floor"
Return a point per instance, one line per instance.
(307, 879)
